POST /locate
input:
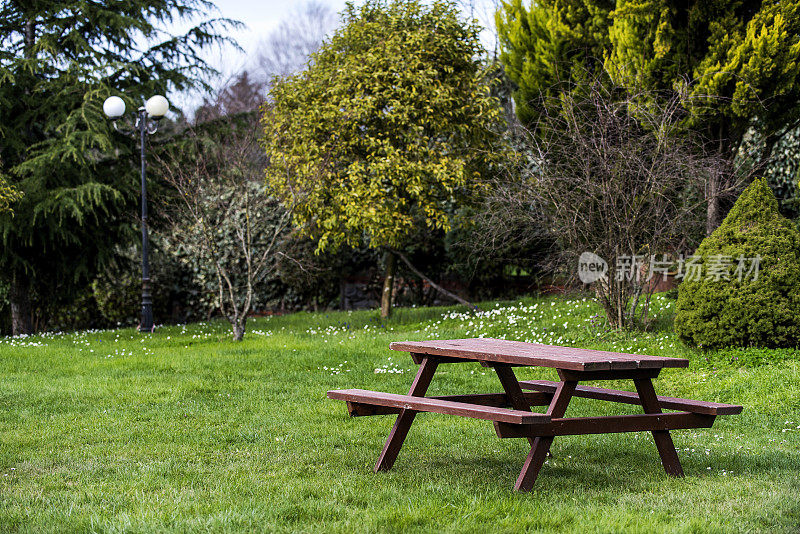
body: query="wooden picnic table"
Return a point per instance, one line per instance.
(510, 411)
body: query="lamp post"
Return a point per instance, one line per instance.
(155, 108)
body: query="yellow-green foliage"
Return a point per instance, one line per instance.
(8, 195)
(732, 60)
(550, 43)
(764, 312)
(387, 129)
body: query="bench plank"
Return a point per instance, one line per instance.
(631, 397)
(574, 426)
(534, 354)
(538, 398)
(428, 404)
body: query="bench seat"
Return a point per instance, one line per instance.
(631, 397)
(395, 403)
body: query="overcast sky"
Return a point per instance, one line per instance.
(262, 16)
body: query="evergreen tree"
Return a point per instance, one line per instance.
(746, 292)
(59, 60)
(735, 63)
(545, 46)
(242, 94)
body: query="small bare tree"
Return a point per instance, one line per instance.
(226, 221)
(241, 93)
(287, 48)
(603, 174)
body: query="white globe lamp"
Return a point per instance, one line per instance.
(114, 107)
(156, 106)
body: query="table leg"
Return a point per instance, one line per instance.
(403, 423)
(541, 445)
(512, 388)
(666, 448)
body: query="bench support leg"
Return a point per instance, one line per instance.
(541, 445)
(663, 439)
(513, 390)
(403, 423)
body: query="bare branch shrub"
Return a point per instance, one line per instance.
(227, 222)
(242, 93)
(603, 173)
(287, 48)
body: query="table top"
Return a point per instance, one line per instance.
(534, 354)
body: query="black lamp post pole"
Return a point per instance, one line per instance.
(147, 298)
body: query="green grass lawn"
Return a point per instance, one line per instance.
(184, 430)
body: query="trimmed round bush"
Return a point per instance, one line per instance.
(762, 311)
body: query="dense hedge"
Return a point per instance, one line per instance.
(764, 312)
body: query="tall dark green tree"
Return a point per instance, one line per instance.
(59, 60)
(735, 63)
(546, 45)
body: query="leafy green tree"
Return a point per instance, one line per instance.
(59, 60)
(387, 131)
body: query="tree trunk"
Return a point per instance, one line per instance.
(19, 295)
(238, 326)
(714, 209)
(30, 37)
(388, 285)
